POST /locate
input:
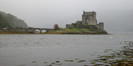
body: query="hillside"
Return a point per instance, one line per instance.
(10, 21)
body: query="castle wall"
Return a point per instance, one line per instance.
(69, 26)
(89, 18)
(83, 19)
(101, 25)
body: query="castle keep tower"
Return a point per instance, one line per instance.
(89, 18)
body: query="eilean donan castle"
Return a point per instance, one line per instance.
(88, 18)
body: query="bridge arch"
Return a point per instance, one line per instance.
(40, 30)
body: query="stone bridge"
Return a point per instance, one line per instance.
(33, 30)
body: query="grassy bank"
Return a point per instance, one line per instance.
(13, 32)
(75, 31)
(59, 31)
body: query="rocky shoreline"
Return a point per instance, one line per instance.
(123, 57)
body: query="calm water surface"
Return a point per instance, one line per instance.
(43, 50)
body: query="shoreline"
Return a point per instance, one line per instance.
(59, 33)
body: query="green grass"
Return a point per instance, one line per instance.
(13, 32)
(73, 30)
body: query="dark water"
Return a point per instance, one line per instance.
(56, 50)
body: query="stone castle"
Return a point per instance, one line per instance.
(88, 18)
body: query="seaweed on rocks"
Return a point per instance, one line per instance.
(123, 57)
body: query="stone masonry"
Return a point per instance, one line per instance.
(88, 18)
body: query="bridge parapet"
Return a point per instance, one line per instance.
(33, 30)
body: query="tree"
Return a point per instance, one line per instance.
(56, 27)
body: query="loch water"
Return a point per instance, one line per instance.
(57, 50)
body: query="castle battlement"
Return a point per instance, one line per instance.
(89, 13)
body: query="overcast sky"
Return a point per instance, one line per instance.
(116, 14)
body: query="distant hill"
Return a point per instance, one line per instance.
(10, 21)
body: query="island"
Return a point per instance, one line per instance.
(88, 25)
